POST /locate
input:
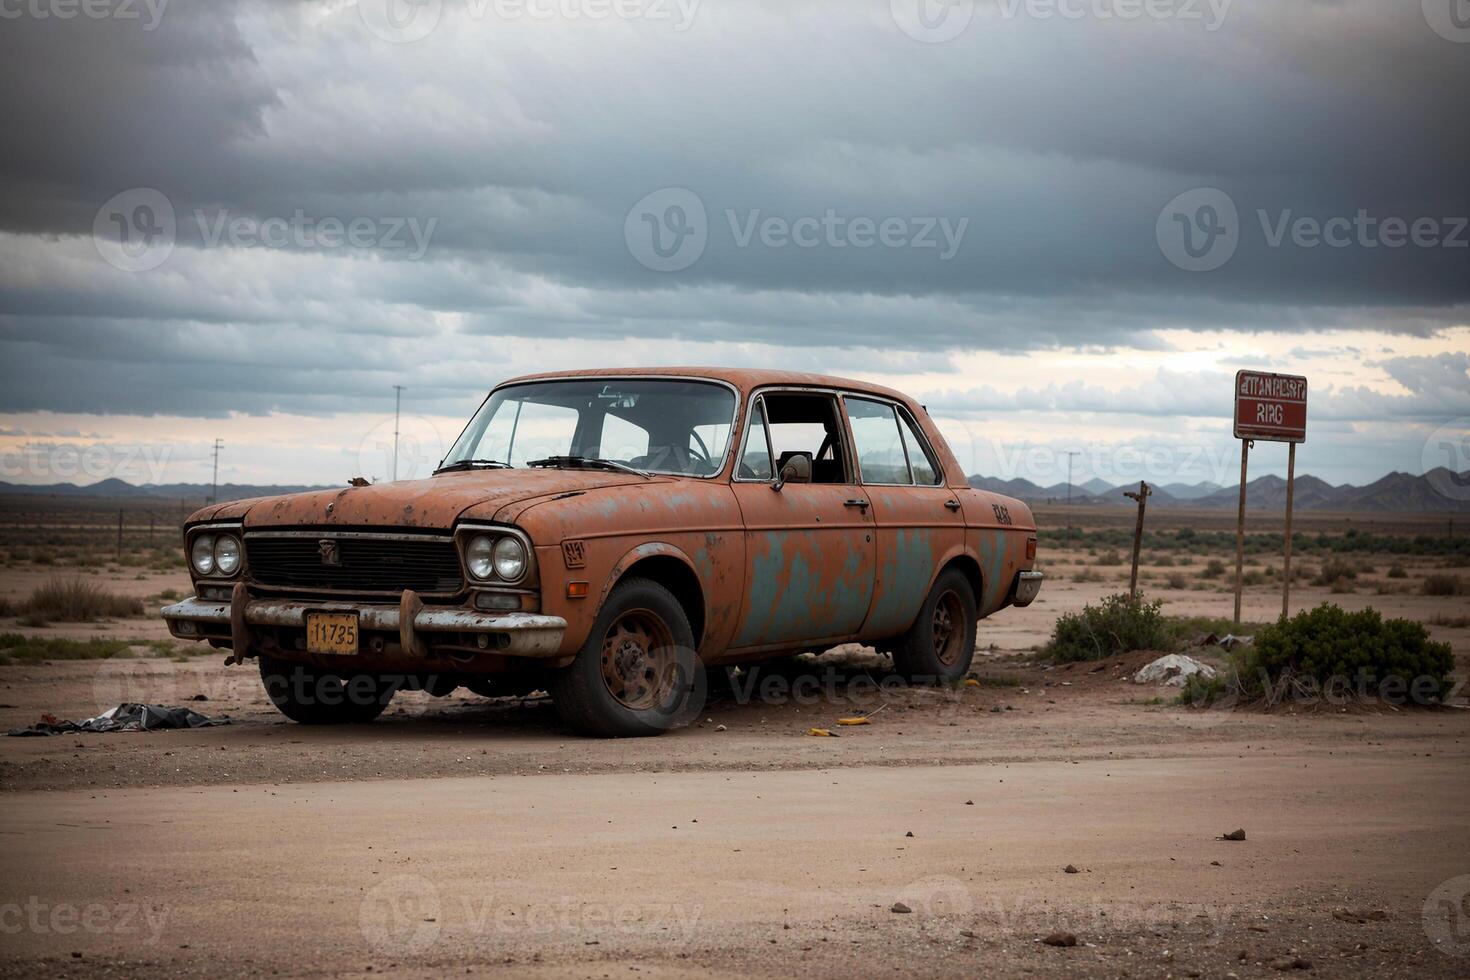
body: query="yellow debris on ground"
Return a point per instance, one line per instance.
(853, 721)
(820, 733)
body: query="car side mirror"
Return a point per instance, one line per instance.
(798, 469)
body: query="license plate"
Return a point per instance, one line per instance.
(331, 633)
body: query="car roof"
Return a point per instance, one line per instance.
(745, 379)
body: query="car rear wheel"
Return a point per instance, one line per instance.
(637, 674)
(939, 646)
(315, 697)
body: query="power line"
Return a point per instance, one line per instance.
(397, 405)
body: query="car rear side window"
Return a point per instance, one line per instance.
(878, 441)
(921, 459)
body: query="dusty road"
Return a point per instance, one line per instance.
(736, 872)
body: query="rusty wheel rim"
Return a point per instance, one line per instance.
(638, 660)
(949, 629)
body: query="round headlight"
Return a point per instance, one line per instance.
(480, 556)
(227, 554)
(510, 559)
(201, 554)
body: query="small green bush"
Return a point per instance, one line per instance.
(1178, 580)
(1214, 569)
(1118, 624)
(1327, 649)
(1397, 571)
(1110, 558)
(1443, 585)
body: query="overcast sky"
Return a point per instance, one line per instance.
(1064, 224)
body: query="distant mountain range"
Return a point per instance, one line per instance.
(120, 489)
(1394, 492)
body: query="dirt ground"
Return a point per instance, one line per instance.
(471, 836)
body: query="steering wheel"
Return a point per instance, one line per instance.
(702, 450)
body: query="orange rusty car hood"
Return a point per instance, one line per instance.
(435, 502)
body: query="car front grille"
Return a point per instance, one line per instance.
(359, 563)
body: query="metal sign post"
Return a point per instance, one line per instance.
(1273, 408)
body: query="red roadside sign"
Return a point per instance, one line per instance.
(1270, 407)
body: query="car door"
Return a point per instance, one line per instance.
(810, 547)
(918, 520)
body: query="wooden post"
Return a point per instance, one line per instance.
(1142, 497)
(1245, 453)
(1290, 489)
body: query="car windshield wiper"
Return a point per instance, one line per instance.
(473, 464)
(592, 462)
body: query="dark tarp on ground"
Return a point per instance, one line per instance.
(124, 718)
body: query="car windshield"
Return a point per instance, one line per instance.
(657, 426)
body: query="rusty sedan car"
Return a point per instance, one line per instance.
(610, 536)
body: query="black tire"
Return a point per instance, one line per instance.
(638, 673)
(314, 697)
(938, 648)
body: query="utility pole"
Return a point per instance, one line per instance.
(397, 405)
(214, 483)
(1142, 497)
(1070, 456)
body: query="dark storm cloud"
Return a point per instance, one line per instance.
(1056, 143)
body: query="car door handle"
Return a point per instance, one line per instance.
(856, 502)
(952, 504)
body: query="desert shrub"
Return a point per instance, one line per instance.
(6, 607)
(1341, 586)
(1326, 648)
(1117, 624)
(1253, 576)
(1087, 575)
(75, 599)
(1178, 580)
(1334, 570)
(1440, 584)
(1110, 558)
(1397, 571)
(1165, 561)
(1214, 568)
(15, 648)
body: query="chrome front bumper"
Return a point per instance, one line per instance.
(518, 634)
(1028, 584)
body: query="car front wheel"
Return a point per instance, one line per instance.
(314, 697)
(939, 646)
(637, 674)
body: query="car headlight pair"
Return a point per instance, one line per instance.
(491, 557)
(215, 554)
